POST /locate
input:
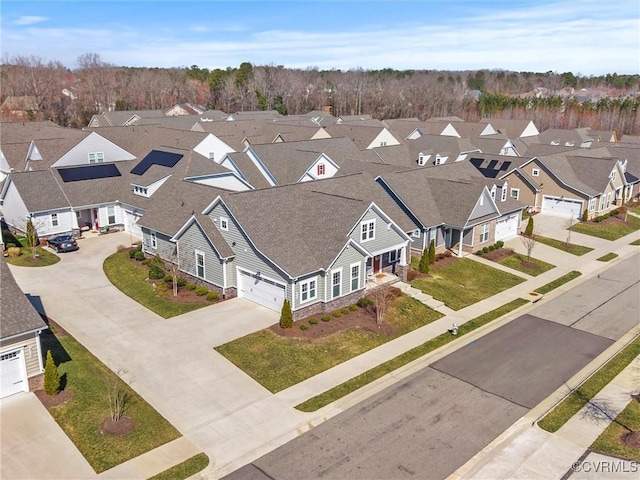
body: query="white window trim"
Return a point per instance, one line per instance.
(96, 157)
(515, 191)
(370, 233)
(352, 278)
(485, 229)
(396, 254)
(504, 193)
(154, 240)
(212, 156)
(339, 271)
(308, 282)
(204, 268)
(592, 204)
(535, 172)
(224, 224)
(111, 208)
(54, 220)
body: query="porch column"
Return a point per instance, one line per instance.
(460, 243)
(403, 255)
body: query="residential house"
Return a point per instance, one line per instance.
(20, 327)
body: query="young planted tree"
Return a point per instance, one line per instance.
(528, 231)
(423, 266)
(432, 252)
(286, 316)
(32, 236)
(51, 376)
(117, 394)
(174, 268)
(529, 243)
(382, 298)
(585, 215)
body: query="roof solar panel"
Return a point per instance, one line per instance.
(489, 172)
(505, 166)
(476, 162)
(156, 157)
(89, 172)
(492, 164)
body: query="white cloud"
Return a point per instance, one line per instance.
(29, 20)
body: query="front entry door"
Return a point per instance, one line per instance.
(376, 263)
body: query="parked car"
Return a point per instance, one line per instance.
(64, 243)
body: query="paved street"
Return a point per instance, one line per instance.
(433, 422)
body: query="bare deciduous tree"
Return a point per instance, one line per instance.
(117, 394)
(529, 243)
(382, 297)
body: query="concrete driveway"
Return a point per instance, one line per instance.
(171, 363)
(33, 445)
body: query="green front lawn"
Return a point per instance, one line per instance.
(278, 362)
(608, 257)
(577, 399)
(369, 376)
(560, 245)
(567, 277)
(465, 282)
(25, 259)
(81, 416)
(129, 277)
(609, 231)
(533, 266)
(635, 242)
(609, 441)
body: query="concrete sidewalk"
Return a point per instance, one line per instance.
(526, 451)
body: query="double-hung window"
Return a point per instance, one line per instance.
(111, 215)
(592, 204)
(199, 264)
(368, 230)
(484, 232)
(54, 220)
(308, 290)
(515, 193)
(336, 281)
(96, 157)
(224, 224)
(355, 277)
(154, 240)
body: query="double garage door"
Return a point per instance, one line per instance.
(13, 373)
(562, 207)
(507, 228)
(260, 290)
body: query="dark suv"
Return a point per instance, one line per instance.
(64, 243)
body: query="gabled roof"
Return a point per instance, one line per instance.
(361, 135)
(17, 315)
(587, 175)
(40, 190)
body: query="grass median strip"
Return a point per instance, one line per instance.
(608, 257)
(564, 246)
(369, 376)
(572, 404)
(558, 282)
(183, 470)
(635, 242)
(611, 231)
(610, 441)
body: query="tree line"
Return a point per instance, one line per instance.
(70, 97)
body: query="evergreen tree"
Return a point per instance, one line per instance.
(585, 215)
(51, 376)
(423, 266)
(432, 252)
(529, 230)
(286, 316)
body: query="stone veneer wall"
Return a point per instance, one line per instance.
(328, 307)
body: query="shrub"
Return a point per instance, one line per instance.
(213, 296)
(155, 271)
(364, 302)
(201, 291)
(133, 252)
(139, 255)
(485, 250)
(286, 315)
(499, 244)
(479, 253)
(304, 326)
(13, 252)
(191, 286)
(344, 311)
(313, 321)
(11, 245)
(181, 282)
(529, 230)
(615, 212)
(51, 376)
(432, 252)
(585, 215)
(337, 314)
(163, 289)
(423, 266)
(168, 278)
(325, 318)
(353, 307)
(491, 248)
(146, 261)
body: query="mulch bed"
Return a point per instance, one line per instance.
(631, 439)
(184, 295)
(50, 401)
(363, 318)
(498, 254)
(121, 427)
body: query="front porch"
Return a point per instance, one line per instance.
(381, 278)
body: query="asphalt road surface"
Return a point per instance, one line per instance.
(433, 422)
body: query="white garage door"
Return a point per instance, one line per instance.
(131, 223)
(562, 207)
(12, 373)
(507, 228)
(261, 290)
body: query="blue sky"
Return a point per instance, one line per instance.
(586, 37)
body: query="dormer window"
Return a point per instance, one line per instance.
(613, 175)
(493, 192)
(142, 191)
(212, 156)
(224, 224)
(422, 159)
(321, 169)
(96, 157)
(504, 193)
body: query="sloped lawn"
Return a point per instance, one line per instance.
(612, 228)
(532, 266)
(81, 416)
(465, 282)
(278, 362)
